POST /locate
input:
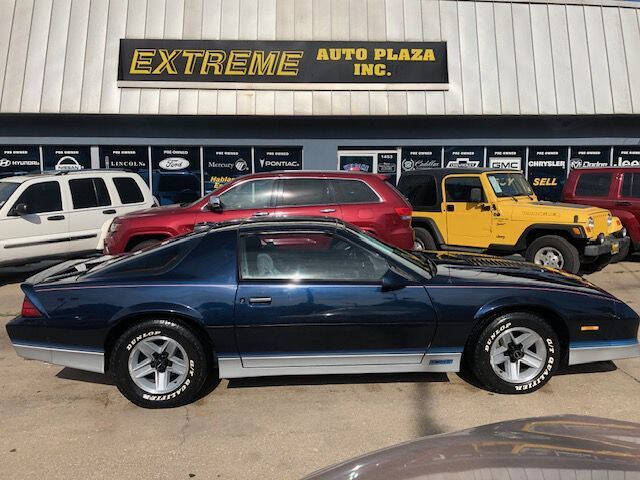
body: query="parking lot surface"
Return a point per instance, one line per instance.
(58, 423)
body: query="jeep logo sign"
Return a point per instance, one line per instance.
(174, 163)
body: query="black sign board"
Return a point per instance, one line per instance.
(176, 174)
(269, 159)
(419, 158)
(626, 156)
(463, 157)
(223, 164)
(507, 158)
(299, 64)
(547, 171)
(18, 159)
(66, 158)
(356, 163)
(131, 158)
(388, 165)
(589, 157)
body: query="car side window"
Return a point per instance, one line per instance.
(631, 185)
(128, 190)
(307, 256)
(353, 191)
(89, 193)
(305, 191)
(420, 190)
(41, 197)
(458, 189)
(248, 195)
(593, 184)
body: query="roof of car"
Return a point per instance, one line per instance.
(314, 173)
(54, 173)
(302, 220)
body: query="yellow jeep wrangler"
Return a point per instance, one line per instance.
(497, 212)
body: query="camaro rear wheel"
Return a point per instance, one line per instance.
(554, 251)
(423, 240)
(159, 364)
(516, 353)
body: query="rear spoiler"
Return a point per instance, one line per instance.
(66, 269)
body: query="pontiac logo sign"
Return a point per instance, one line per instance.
(290, 65)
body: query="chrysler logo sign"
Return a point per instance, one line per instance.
(174, 163)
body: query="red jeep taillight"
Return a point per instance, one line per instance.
(404, 212)
(29, 309)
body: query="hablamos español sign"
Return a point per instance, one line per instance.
(269, 65)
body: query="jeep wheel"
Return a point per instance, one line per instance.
(515, 353)
(159, 364)
(423, 240)
(554, 251)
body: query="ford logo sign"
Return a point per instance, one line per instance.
(174, 163)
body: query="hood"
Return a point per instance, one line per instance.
(465, 268)
(154, 211)
(550, 446)
(553, 212)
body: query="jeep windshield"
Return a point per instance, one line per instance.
(6, 190)
(509, 184)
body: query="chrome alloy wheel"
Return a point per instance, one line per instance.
(518, 355)
(418, 245)
(158, 364)
(549, 257)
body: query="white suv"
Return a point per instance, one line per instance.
(64, 214)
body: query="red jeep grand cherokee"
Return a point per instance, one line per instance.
(615, 188)
(363, 199)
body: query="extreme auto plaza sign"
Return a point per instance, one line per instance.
(268, 65)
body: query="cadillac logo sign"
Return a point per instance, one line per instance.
(285, 65)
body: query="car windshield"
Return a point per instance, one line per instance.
(509, 184)
(416, 263)
(6, 189)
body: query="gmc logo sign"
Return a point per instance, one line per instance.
(506, 163)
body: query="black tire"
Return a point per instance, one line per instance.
(197, 363)
(424, 239)
(569, 253)
(480, 353)
(145, 244)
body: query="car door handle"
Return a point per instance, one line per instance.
(261, 214)
(623, 204)
(260, 300)
(55, 217)
(111, 211)
(450, 208)
(328, 210)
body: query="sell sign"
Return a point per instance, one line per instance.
(290, 65)
(547, 171)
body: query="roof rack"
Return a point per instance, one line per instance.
(84, 170)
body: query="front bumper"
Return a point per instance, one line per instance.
(611, 246)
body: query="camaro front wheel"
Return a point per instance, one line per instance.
(516, 353)
(159, 364)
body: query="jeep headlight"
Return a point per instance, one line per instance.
(114, 226)
(609, 220)
(590, 223)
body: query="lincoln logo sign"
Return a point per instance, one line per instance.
(290, 65)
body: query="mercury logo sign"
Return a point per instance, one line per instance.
(241, 165)
(174, 163)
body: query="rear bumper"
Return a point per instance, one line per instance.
(586, 352)
(606, 248)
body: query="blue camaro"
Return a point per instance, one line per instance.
(312, 296)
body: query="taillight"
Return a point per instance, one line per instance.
(29, 309)
(404, 212)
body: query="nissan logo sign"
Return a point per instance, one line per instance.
(174, 163)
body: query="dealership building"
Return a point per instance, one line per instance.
(192, 93)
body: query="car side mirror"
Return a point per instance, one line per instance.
(392, 280)
(475, 196)
(19, 210)
(215, 205)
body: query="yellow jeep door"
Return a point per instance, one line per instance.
(467, 213)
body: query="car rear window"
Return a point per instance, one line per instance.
(631, 185)
(420, 190)
(594, 184)
(353, 191)
(89, 193)
(128, 190)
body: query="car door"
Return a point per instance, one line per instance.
(629, 200)
(91, 207)
(252, 198)
(468, 221)
(306, 197)
(312, 297)
(43, 230)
